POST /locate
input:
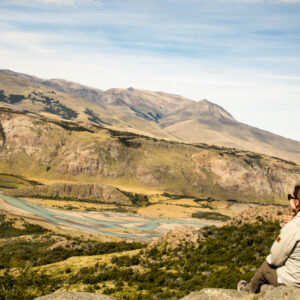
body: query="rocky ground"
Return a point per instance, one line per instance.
(75, 296)
(252, 214)
(267, 293)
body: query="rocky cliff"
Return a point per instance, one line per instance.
(88, 192)
(39, 147)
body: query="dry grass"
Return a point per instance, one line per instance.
(77, 262)
(67, 204)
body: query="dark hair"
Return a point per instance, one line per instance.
(296, 192)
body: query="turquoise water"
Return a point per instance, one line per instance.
(56, 217)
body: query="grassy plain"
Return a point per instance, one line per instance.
(11, 181)
(159, 206)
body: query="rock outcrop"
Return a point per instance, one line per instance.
(267, 293)
(75, 296)
(93, 192)
(219, 294)
(176, 237)
(255, 175)
(252, 214)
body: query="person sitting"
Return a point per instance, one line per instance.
(282, 265)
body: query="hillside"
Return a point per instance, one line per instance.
(212, 257)
(46, 149)
(155, 114)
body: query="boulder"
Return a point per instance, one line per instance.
(219, 294)
(75, 296)
(92, 191)
(267, 292)
(281, 292)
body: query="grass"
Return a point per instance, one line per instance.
(10, 181)
(210, 216)
(219, 259)
(39, 246)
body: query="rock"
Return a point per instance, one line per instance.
(282, 293)
(259, 176)
(75, 296)
(176, 237)
(97, 192)
(252, 214)
(267, 292)
(265, 288)
(219, 294)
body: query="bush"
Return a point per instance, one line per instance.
(210, 216)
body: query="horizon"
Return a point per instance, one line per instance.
(242, 55)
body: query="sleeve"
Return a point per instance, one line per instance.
(283, 246)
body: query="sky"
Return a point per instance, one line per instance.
(243, 55)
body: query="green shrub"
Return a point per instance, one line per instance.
(210, 216)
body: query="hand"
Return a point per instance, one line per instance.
(287, 218)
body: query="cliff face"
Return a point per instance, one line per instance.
(94, 192)
(31, 136)
(247, 173)
(36, 147)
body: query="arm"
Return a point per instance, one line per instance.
(283, 246)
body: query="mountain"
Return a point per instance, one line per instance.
(155, 114)
(43, 148)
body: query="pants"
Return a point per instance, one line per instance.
(266, 274)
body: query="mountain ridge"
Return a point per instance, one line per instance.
(155, 114)
(36, 147)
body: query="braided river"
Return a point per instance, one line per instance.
(121, 225)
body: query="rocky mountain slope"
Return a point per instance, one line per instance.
(37, 147)
(155, 114)
(91, 192)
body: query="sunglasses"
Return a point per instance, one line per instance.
(291, 197)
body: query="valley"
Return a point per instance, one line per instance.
(132, 193)
(120, 225)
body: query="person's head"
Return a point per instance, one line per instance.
(295, 201)
(296, 192)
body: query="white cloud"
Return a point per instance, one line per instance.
(253, 98)
(59, 2)
(184, 2)
(264, 1)
(112, 47)
(287, 1)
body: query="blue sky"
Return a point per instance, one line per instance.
(241, 54)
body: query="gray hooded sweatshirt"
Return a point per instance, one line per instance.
(285, 253)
